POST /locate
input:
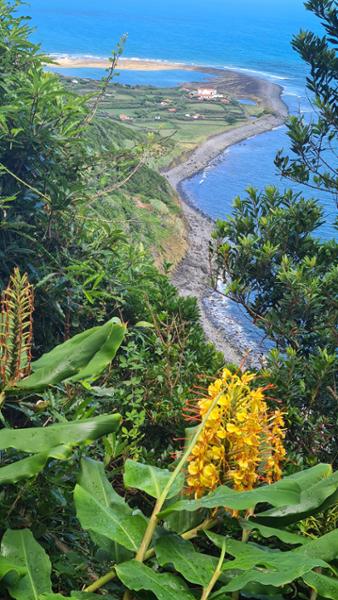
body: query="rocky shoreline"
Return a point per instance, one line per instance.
(191, 276)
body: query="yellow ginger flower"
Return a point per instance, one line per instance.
(241, 443)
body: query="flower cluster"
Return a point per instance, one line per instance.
(241, 443)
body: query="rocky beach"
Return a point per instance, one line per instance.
(192, 275)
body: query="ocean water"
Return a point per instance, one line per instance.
(163, 78)
(253, 35)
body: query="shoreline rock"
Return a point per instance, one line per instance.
(191, 276)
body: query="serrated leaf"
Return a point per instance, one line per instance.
(326, 587)
(137, 576)
(151, 480)
(95, 516)
(196, 567)
(20, 547)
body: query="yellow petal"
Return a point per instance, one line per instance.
(193, 468)
(232, 428)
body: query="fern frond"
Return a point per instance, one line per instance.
(16, 329)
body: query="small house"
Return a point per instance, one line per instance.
(124, 117)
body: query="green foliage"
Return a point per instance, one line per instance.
(149, 479)
(177, 566)
(312, 144)
(292, 497)
(51, 164)
(285, 277)
(139, 577)
(287, 280)
(196, 567)
(21, 548)
(326, 587)
(83, 357)
(103, 512)
(56, 441)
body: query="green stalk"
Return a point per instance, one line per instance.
(101, 581)
(245, 538)
(314, 593)
(187, 535)
(161, 500)
(143, 553)
(218, 572)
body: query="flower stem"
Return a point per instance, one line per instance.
(187, 535)
(245, 538)
(162, 498)
(207, 591)
(101, 581)
(314, 593)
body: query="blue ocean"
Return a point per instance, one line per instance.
(242, 34)
(253, 35)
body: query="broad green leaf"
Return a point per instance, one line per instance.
(20, 547)
(151, 480)
(295, 496)
(181, 521)
(137, 576)
(6, 566)
(219, 595)
(84, 356)
(325, 547)
(326, 587)
(43, 439)
(95, 516)
(262, 565)
(23, 469)
(319, 496)
(77, 596)
(254, 591)
(93, 479)
(285, 536)
(194, 566)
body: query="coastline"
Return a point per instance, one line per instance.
(67, 61)
(191, 276)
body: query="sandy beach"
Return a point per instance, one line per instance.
(191, 276)
(130, 64)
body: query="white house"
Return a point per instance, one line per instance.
(207, 92)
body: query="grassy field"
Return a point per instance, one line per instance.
(147, 207)
(171, 112)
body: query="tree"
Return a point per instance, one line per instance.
(314, 144)
(284, 276)
(52, 157)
